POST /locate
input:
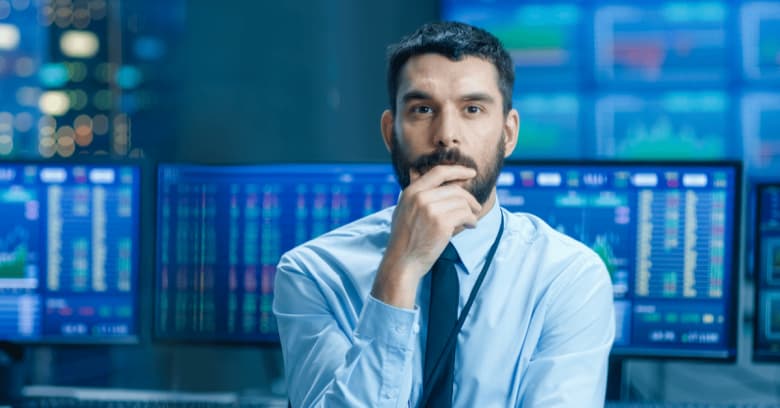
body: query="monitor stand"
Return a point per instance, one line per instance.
(11, 372)
(615, 379)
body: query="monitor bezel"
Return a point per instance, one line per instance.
(140, 166)
(757, 356)
(733, 305)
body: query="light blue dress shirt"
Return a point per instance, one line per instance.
(538, 335)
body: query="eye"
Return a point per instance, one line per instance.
(421, 109)
(473, 109)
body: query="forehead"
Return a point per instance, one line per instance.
(439, 76)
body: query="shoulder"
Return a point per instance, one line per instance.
(365, 236)
(533, 230)
(556, 255)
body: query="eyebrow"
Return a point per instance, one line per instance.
(415, 95)
(478, 97)
(420, 95)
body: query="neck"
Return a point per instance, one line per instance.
(489, 203)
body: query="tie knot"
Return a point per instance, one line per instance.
(450, 254)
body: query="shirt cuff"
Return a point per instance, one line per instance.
(390, 325)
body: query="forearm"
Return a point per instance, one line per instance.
(372, 367)
(395, 285)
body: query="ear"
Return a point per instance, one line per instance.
(511, 129)
(386, 123)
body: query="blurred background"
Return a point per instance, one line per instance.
(255, 82)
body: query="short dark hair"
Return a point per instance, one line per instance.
(453, 40)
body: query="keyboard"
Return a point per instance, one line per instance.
(610, 404)
(51, 397)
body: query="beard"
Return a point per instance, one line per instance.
(480, 186)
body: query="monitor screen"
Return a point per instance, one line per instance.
(666, 233)
(760, 121)
(766, 340)
(542, 39)
(549, 126)
(760, 28)
(667, 42)
(69, 252)
(222, 229)
(673, 125)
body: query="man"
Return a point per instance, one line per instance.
(363, 319)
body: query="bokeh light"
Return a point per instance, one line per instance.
(66, 146)
(28, 96)
(79, 44)
(9, 37)
(6, 144)
(25, 67)
(100, 124)
(54, 103)
(46, 147)
(23, 122)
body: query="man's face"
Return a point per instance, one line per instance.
(450, 112)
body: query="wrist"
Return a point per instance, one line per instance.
(396, 286)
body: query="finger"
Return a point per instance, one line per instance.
(450, 192)
(439, 175)
(452, 216)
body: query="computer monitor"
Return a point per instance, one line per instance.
(667, 233)
(69, 252)
(222, 229)
(766, 338)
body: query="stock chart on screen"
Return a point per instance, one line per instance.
(668, 42)
(766, 341)
(541, 38)
(68, 252)
(672, 125)
(222, 229)
(666, 235)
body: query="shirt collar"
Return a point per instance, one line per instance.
(473, 244)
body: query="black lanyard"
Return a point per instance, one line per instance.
(463, 314)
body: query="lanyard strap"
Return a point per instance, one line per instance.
(463, 314)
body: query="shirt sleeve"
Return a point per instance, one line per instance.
(569, 365)
(328, 364)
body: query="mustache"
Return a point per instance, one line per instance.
(438, 157)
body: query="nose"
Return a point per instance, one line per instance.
(446, 131)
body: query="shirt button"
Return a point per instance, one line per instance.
(416, 328)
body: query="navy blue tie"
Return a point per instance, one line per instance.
(443, 314)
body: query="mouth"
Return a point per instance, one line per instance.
(428, 167)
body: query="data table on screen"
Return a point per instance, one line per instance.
(665, 234)
(222, 229)
(69, 252)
